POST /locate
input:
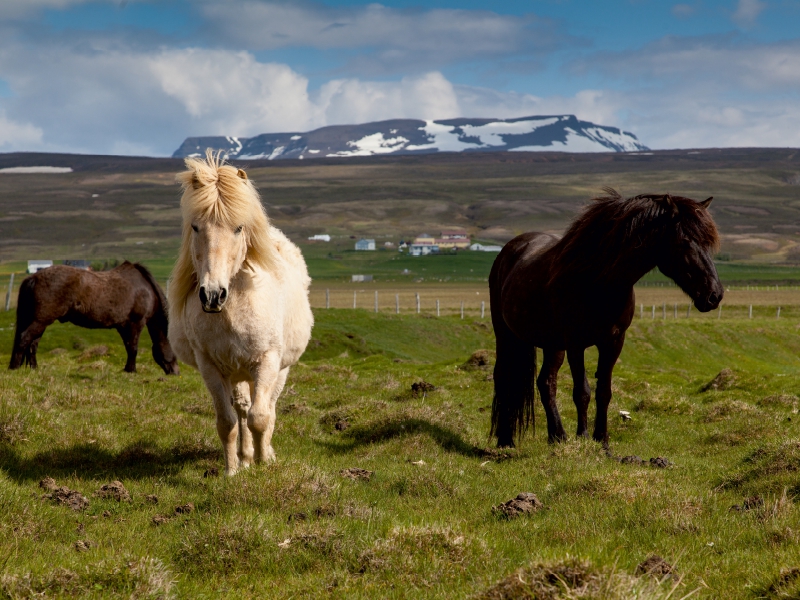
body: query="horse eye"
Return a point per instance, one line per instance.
(194, 227)
(239, 229)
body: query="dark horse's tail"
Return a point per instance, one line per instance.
(514, 374)
(26, 313)
(159, 318)
(158, 325)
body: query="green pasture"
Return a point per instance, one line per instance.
(422, 526)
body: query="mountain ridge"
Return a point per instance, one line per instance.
(560, 133)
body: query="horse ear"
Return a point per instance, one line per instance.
(705, 203)
(672, 205)
(196, 182)
(242, 174)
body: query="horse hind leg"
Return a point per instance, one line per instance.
(26, 341)
(130, 337)
(241, 403)
(547, 384)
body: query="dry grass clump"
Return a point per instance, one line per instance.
(726, 409)
(780, 401)
(664, 403)
(142, 579)
(724, 380)
(572, 579)
(420, 556)
(771, 467)
(14, 424)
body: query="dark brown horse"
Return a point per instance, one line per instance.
(126, 298)
(569, 294)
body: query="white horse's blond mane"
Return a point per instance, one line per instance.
(220, 194)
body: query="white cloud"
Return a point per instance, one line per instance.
(233, 94)
(15, 135)
(747, 12)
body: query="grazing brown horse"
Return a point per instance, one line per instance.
(125, 298)
(565, 295)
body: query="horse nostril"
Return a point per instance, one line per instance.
(223, 294)
(203, 297)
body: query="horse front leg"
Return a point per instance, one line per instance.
(547, 382)
(130, 337)
(581, 393)
(227, 426)
(608, 354)
(268, 382)
(25, 344)
(241, 401)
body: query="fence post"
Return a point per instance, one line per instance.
(397, 304)
(689, 310)
(417, 294)
(654, 311)
(719, 312)
(664, 310)
(778, 316)
(376, 300)
(354, 299)
(675, 314)
(483, 307)
(641, 311)
(462, 309)
(10, 290)
(437, 307)
(327, 298)
(751, 311)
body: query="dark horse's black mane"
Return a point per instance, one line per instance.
(612, 227)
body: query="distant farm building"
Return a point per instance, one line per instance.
(359, 278)
(38, 265)
(452, 239)
(365, 244)
(78, 264)
(320, 237)
(482, 248)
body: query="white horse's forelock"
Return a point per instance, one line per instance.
(218, 193)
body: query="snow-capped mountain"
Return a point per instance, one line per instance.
(408, 136)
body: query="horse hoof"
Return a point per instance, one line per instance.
(267, 457)
(231, 472)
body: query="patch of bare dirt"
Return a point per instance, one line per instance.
(83, 545)
(572, 578)
(656, 566)
(63, 495)
(479, 361)
(212, 472)
(420, 388)
(724, 380)
(751, 503)
(161, 519)
(524, 503)
(114, 491)
(356, 474)
(184, 509)
(151, 498)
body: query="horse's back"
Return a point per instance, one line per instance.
(523, 249)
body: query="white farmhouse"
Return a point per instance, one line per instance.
(364, 244)
(38, 265)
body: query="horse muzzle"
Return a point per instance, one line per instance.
(212, 301)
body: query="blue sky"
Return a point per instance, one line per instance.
(137, 76)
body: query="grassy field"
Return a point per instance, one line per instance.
(422, 526)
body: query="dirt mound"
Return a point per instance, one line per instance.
(524, 503)
(656, 566)
(63, 495)
(115, 491)
(572, 578)
(184, 509)
(355, 473)
(480, 360)
(420, 388)
(750, 503)
(94, 351)
(724, 380)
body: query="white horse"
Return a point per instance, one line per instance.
(238, 305)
